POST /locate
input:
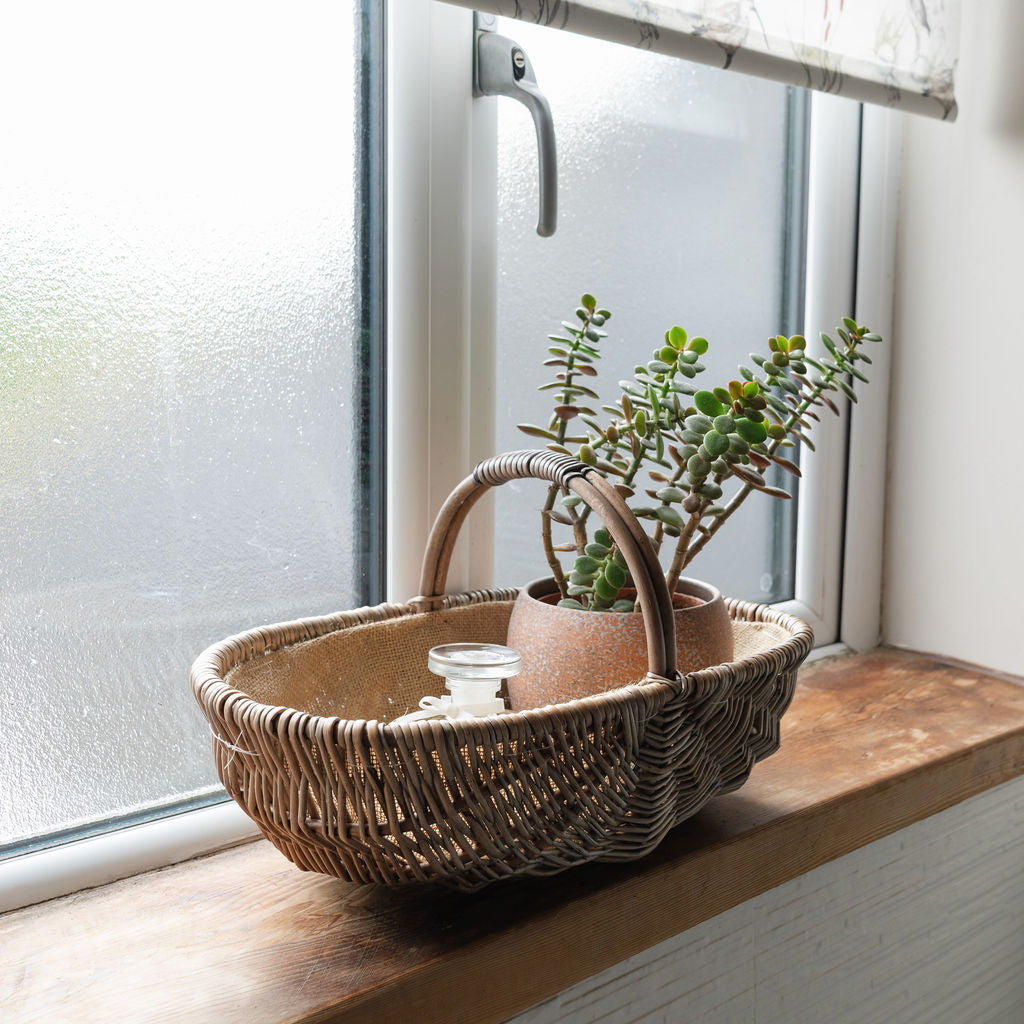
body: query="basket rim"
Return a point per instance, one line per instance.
(652, 692)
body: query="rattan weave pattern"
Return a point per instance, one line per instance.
(468, 803)
(300, 717)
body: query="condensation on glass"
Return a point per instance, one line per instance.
(677, 188)
(184, 375)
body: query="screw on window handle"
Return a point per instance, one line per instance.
(518, 64)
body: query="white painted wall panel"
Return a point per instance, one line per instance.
(925, 926)
(954, 558)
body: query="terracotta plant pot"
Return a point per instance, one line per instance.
(569, 654)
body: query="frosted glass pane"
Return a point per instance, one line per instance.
(672, 210)
(182, 381)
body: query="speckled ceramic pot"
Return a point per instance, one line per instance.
(569, 654)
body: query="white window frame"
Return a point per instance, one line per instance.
(441, 285)
(444, 261)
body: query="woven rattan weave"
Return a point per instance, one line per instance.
(300, 713)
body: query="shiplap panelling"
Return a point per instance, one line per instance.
(925, 926)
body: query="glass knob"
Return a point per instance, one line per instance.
(473, 672)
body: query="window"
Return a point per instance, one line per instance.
(481, 250)
(194, 347)
(681, 191)
(192, 377)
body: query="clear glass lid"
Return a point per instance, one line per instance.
(474, 661)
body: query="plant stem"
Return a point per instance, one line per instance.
(545, 528)
(681, 557)
(630, 475)
(549, 546)
(579, 531)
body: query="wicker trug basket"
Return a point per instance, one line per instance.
(300, 711)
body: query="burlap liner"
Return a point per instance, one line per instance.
(378, 670)
(308, 754)
(467, 803)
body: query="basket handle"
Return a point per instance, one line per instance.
(588, 483)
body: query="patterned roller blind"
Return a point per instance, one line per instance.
(899, 53)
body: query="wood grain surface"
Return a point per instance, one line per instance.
(870, 744)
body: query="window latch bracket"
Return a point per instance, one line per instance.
(502, 68)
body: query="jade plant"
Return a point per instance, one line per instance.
(684, 458)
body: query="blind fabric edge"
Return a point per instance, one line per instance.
(690, 29)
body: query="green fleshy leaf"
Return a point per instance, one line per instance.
(558, 517)
(669, 516)
(615, 575)
(789, 467)
(605, 589)
(532, 431)
(716, 443)
(698, 467)
(708, 404)
(749, 476)
(751, 431)
(846, 389)
(671, 494)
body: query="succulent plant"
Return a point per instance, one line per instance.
(678, 445)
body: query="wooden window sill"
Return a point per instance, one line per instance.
(871, 744)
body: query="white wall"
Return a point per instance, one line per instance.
(925, 926)
(954, 544)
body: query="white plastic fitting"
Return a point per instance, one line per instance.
(473, 674)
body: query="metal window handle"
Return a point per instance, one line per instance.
(501, 68)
